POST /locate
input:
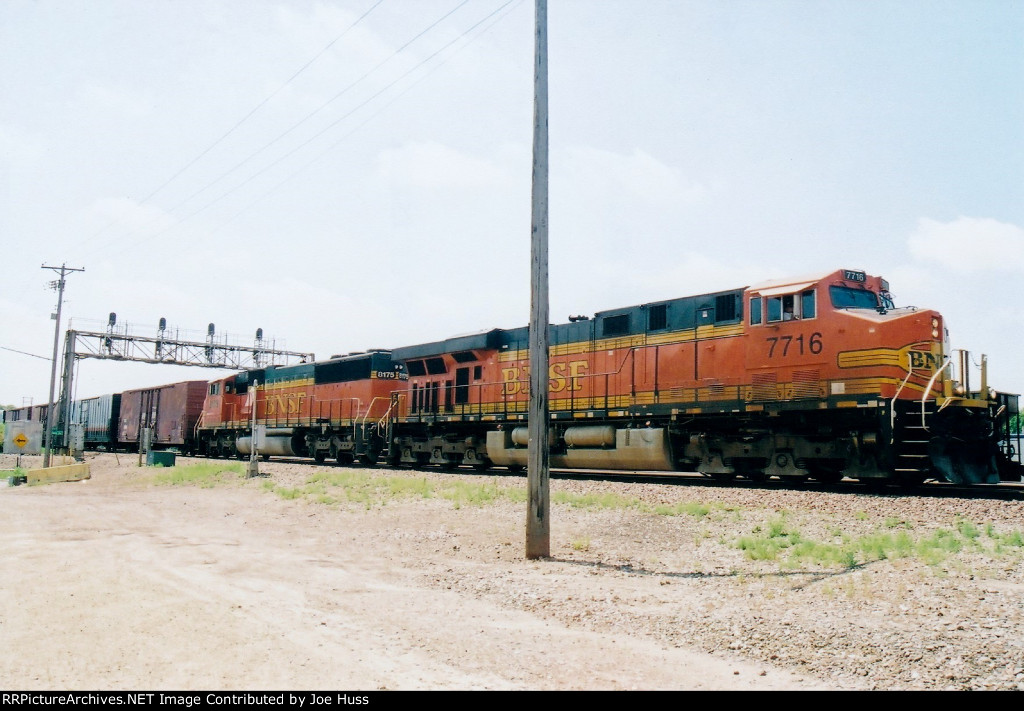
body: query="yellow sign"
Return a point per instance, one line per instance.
(20, 439)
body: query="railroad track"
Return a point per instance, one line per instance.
(1005, 491)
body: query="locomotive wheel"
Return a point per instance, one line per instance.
(482, 465)
(516, 468)
(344, 457)
(369, 458)
(755, 475)
(320, 456)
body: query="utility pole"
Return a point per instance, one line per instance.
(538, 527)
(63, 269)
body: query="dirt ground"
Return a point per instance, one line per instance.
(124, 583)
(113, 583)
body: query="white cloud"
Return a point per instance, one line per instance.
(435, 165)
(969, 243)
(637, 175)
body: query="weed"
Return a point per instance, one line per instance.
(204, 474)
(581, 544)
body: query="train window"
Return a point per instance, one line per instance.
(657, 317)
(615, 325)
(807, 304)
(214, 388)
(416, 367)
(227, 388)
(755, 311)
(725, 308)
(782, 308)
(478, 372)
(435, 366)
(844, 297)
(464, 356)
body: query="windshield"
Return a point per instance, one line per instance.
(846, 298)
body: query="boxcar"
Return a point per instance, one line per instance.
(169, 411)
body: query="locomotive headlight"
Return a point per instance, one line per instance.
(935, 327)
(935, 322)
(991, 394)
(959, 390)
(935, 333)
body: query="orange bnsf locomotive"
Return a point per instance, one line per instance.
(818, 377)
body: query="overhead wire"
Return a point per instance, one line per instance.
(241, 121)
(510, 4)
(280, 136)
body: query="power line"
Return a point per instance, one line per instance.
(511, 4)
(245, 118)
(14, 350)
(308, 116)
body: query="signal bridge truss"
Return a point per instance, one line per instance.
(166, 347)
(171, 350)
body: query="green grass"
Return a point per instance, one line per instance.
(203, 474)
(779, 541)
(776, 539)
(370, 490)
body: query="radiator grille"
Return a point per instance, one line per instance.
(807, 384)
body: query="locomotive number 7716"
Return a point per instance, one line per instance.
(781, 345)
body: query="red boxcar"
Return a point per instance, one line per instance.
(169, 411)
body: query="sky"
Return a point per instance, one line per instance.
(354, 174)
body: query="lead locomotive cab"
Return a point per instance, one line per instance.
(860, 386)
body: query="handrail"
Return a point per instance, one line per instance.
(369, 409)
(394, 404)
(892, 403)
(931, 382)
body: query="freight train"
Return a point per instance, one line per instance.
(161, 417)
(818, 377)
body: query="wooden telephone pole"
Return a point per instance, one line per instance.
(538, 527)
(63, 269)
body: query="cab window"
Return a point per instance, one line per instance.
(843, 297)
(755, 311)
(790, 307)
(807, 304)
